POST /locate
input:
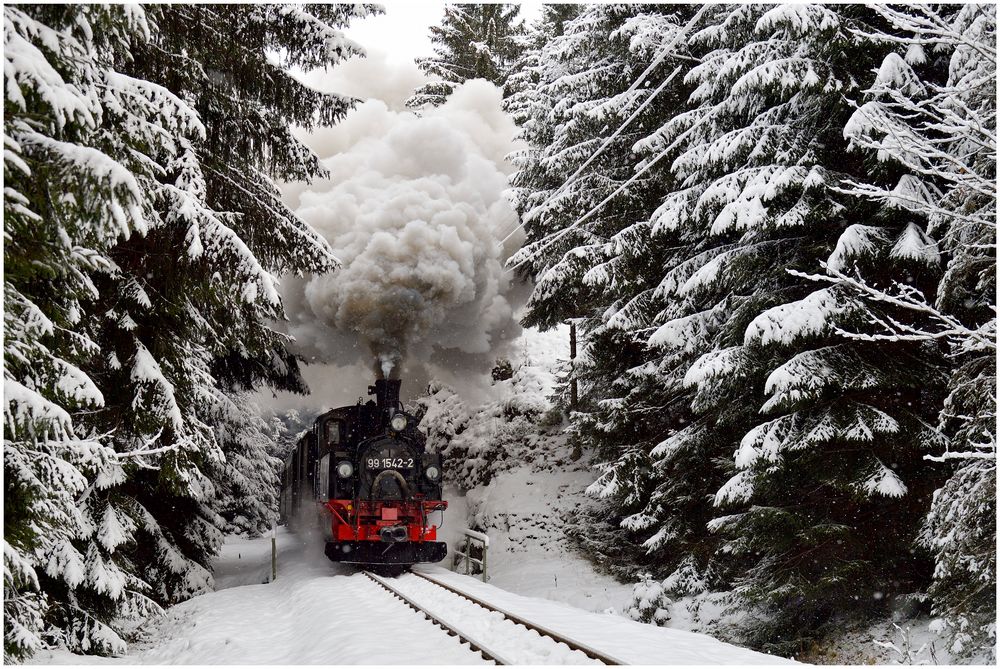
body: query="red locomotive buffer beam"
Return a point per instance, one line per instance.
(370, 531)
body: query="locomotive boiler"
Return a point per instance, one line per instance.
(363, 475)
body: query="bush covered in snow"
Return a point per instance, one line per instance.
(650, 603)
(479, 441)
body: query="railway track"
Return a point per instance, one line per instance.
(497, 634)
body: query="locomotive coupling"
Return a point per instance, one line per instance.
(394, 534)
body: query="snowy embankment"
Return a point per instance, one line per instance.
(317, 612)
(536, 484)
(627, 640)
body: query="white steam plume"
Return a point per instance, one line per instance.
(414, 209)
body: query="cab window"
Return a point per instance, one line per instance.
(332, 432)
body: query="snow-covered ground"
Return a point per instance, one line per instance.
(523, 511)
(535, 483)
(907, 641)
(317, 612)
(627, 640)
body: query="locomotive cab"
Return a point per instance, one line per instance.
(375, 489)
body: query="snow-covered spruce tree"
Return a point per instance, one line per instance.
(248, 483)
(283, 430)
(443, 417)
(829, 481)
(184, 323)
(604, 270)
(287, 426)
(473, 42)
(524, 98)
(932, 110)
(650, 603)
(134, 306)
(84, 146)
(483, 441)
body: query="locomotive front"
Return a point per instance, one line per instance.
(378, 490)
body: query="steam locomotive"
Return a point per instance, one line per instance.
(363, 475)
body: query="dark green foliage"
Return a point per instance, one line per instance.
(502, 370)
(145, 233)
(947, 72)
(473, 42)
(760, 433)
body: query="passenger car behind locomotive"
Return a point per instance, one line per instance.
(362, 473)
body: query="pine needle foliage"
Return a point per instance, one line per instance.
(144, 236)
(766, 265)
(472, 42)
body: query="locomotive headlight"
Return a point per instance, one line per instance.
(398, 422)
(433, 473)
(345, 469)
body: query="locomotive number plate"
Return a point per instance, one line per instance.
(389, 463)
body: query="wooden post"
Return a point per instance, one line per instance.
(274, 554)
(573, 397)
(485, 577)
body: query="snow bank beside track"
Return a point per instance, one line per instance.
(632, 642)
(317, 612)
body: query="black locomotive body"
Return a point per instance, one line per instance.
(362, 473)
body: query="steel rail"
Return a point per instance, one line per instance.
(514, 618)
(452, 631)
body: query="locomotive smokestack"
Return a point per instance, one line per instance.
(386, 392)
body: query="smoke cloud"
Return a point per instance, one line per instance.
(414, 208)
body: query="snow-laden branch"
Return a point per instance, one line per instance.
(552, 239)
(908, 298)
(923, 25)
(146, 450)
